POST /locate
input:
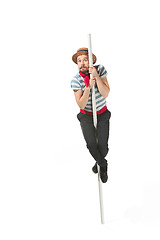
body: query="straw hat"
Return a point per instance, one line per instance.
(82, 51)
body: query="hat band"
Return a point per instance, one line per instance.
(83, 50)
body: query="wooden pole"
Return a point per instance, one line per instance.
(95, 125)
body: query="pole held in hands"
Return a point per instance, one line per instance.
(95, 125)
(93, 88)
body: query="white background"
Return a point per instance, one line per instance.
(47, 188)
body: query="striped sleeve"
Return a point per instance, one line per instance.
(102, 71)
(75, 84)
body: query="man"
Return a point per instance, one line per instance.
(96, 140)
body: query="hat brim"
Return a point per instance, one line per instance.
(74, 57)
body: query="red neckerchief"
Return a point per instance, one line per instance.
(86, 78)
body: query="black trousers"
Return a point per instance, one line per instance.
(98, 149)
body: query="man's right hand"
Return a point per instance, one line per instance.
(92, 82)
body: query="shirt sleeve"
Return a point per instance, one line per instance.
(75, 84)
(102, 71)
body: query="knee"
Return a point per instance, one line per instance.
(103, 148)
(91, 145)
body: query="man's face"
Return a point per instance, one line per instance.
(83, 64)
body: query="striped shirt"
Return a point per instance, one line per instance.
(78, 83)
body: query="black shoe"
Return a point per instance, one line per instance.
(103, 174)
(95, 169)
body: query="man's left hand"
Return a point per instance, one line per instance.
(93, 71)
